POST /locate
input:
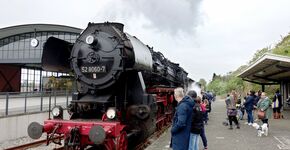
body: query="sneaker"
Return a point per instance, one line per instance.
(231, 127)
(246, 123)
(250, 124)
(238, 127)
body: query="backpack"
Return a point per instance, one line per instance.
(203, 107)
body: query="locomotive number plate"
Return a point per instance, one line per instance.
(93, 69)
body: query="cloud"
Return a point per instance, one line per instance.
(169, 16)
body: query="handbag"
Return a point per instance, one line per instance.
(261, 114)
(232, 112)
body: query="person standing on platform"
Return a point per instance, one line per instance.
(181, 125)
(264, 106)
(204, 116)
(197, 125)
(257, 98)
(249, 106)
(232, 111)
(277, 105)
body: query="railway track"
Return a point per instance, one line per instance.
(141, 146)
(28, 145)
(33, 145)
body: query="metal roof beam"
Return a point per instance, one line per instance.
(283, 68)
(275, 73)
(265, 78)
(259, 82)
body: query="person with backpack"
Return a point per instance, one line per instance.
(204, 116)
(205, 103)
(277, 105)
(232, 111)
(197, 122)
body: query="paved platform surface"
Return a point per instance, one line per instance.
(221, 138)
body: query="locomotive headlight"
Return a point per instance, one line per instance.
(111, 113)
(57, 112)
(91, 40)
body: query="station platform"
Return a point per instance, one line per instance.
(221, 138)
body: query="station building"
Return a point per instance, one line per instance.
(268, 70)
(21, 53)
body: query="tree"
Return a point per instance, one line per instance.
(283, 47)
(203, 83)
(259, 53)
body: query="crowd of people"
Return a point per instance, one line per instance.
(190, 118)
(255, 104)
(191, 114)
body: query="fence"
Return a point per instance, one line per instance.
(17, 103)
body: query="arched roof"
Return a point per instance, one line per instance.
(13, 51)
(19, 29)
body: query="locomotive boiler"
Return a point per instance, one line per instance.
(124, 89)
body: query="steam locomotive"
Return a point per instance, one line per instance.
(124, 89)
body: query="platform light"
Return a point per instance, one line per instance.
(111, 113)
(57, 112)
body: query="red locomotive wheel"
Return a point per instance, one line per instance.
(122, 141)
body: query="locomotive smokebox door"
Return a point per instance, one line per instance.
(97, 56)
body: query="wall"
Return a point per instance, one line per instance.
(10, 77)
(16, 126)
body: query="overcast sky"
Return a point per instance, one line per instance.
(203, 36)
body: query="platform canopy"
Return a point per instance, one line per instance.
(269, 69)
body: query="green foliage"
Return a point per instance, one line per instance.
(259, 53)
(203, 83)
(224, 84)
(59, 83)
(217, 86)
(283, 47)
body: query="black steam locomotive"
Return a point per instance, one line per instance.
(124, 89)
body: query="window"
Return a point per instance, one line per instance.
(10, 54)
(61, 35)
(1, 43)
(17, 38)
(5, 54)
(5, 41)
(37, 54)
(20, 54)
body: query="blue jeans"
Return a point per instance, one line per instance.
(205, 117)
(250, 116)
(193, 141)
(203, 137)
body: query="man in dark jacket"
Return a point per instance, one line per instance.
(181, 125)
(249, 106)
